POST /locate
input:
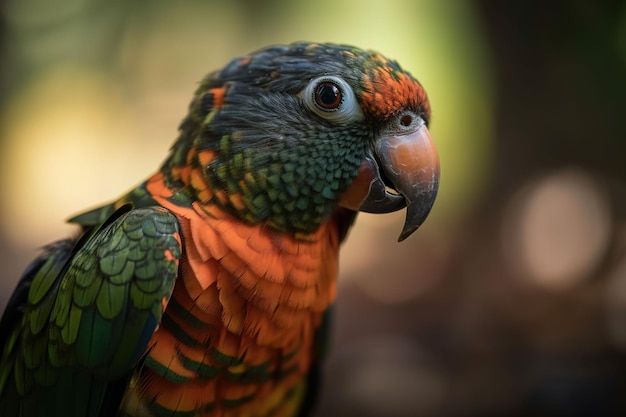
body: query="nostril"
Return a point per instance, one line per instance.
(406, 120)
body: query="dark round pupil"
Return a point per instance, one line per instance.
(328, 95)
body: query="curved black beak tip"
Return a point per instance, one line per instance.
(417, 211)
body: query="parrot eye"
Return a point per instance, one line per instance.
(333, 99)
(328, 95)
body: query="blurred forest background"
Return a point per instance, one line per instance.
(511, 299)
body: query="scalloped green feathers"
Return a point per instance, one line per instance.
(89, 314)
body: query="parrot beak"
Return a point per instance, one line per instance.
(409, 178)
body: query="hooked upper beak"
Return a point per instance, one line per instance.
(403, 171)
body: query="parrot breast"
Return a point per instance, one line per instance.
(238, 331)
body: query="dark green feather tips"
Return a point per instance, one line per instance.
(293, 188)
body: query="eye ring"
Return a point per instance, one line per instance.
(333, 99)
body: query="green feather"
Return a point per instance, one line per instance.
(114, 262)
(44, 279)
(46, 374)
(185, 314)
(86, 295)
(39, 317)
(111, 300)
(203, 370)
(127, 348)
(164, 371)
(224, 359)
(69, 330)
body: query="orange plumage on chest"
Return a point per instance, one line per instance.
(237, 335)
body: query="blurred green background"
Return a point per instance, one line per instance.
(511, 299)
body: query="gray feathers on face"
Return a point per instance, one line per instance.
(289, 68)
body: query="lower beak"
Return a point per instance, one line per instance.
(410, 167)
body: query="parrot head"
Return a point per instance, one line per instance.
(289, 134)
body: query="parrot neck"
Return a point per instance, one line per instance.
(291, 190)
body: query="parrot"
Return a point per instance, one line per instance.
(208, 289)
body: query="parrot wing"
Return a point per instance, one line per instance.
(83, 313)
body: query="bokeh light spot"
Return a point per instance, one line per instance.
(557, 229)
